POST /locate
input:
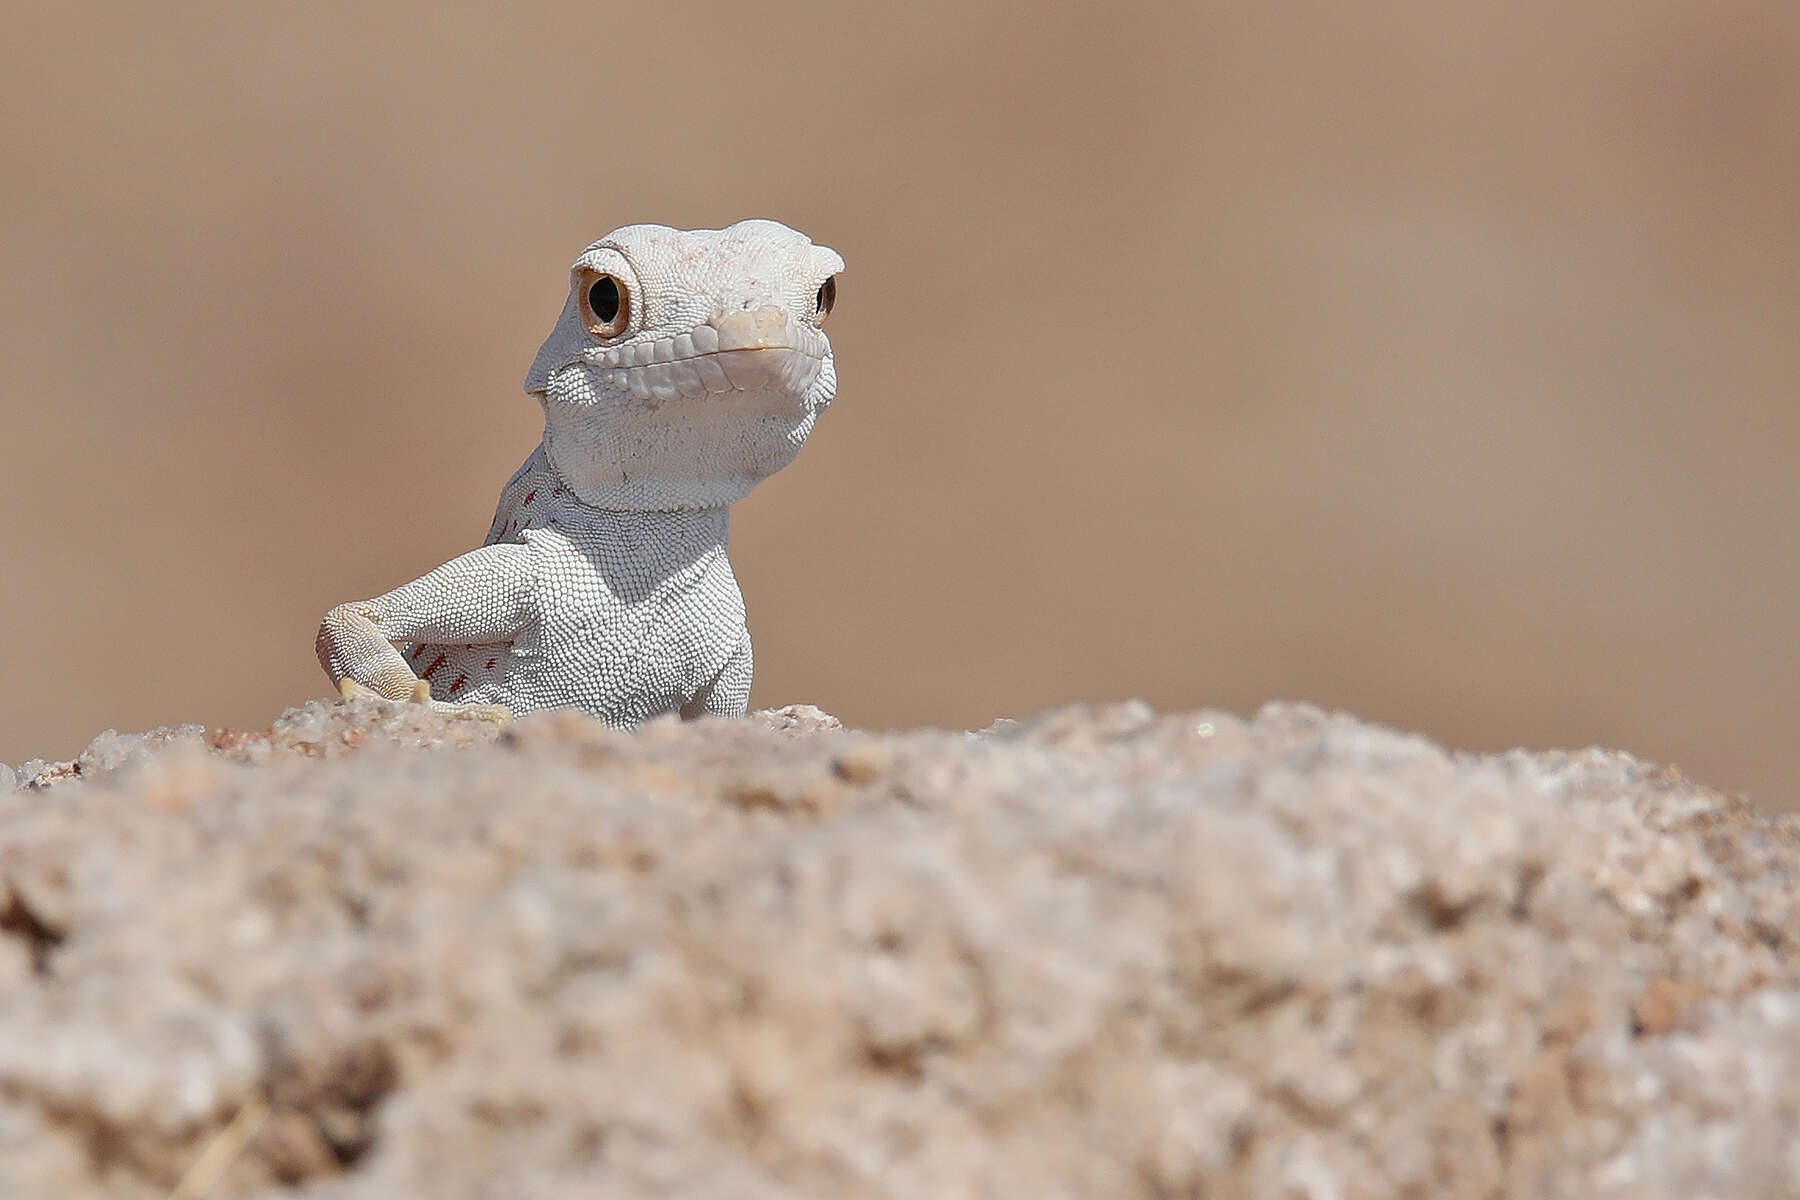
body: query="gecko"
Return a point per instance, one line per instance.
(687, 366)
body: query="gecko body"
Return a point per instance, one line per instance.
(687, 366)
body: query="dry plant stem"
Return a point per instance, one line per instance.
(222, 1151)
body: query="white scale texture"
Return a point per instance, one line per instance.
(604, 583)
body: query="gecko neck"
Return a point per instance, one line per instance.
(642, 554)
(694, 528)
(642, 469)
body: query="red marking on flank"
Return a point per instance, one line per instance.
(491, 663)
(460, 680)
(530, 496)
(434, 666)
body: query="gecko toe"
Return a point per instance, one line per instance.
(349, 689)
(499, 714)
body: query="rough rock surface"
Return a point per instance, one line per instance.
(1098, 953)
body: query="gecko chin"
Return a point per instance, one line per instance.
(671, 436)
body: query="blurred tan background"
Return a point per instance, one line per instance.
(1436, 362)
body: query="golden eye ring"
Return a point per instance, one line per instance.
(605, 303)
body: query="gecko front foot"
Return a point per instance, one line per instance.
(499, 714)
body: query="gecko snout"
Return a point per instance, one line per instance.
(760, 346)
(761, 328)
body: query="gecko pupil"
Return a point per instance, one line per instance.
(827, 295)
(603, 298)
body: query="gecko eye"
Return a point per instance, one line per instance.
(605, 304)
(826, 299)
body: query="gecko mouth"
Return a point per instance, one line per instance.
(745, 350)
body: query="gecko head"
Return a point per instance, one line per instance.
(688, 364)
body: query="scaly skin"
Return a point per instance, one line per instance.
(687, 366)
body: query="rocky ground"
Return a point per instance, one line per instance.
(373, 953)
